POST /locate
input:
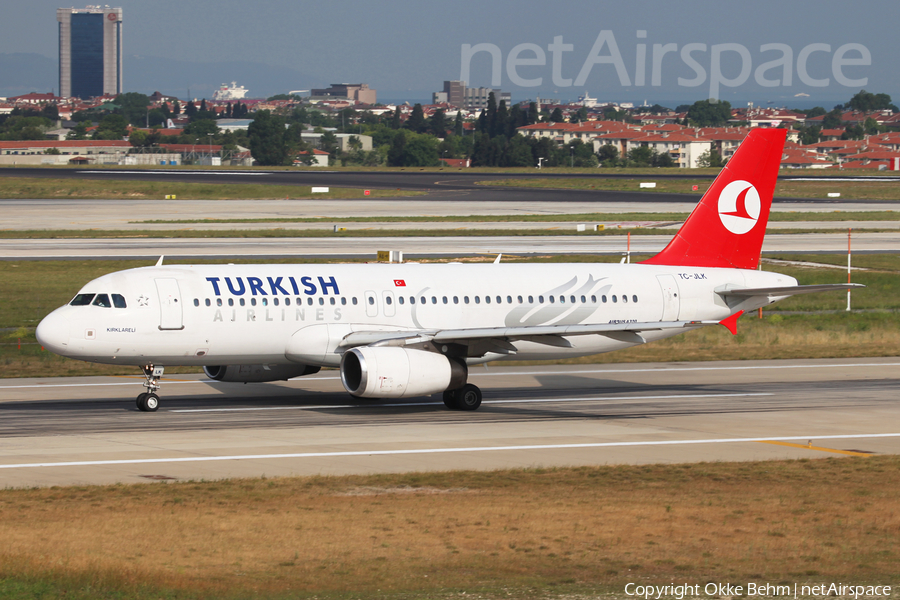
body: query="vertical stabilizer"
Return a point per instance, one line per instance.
(728, 226)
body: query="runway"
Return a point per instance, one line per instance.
(87, 430)
(412, 247)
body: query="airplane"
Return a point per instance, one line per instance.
(403, 330)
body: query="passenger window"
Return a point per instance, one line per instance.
(206, 301)
(477, 300)
(343, 302)
(634, 298)
(530, 299)
(401, 299)
(455, 299)
(231, 302)
(444, 299)
(603, 298)
(583, 300)
(242, 301)
(102, 300)
(218, 301)
(412, 299)
(572, 298)
(519, 298)
(274, 301)
(388, 300)
(252, 301)
(594, 299)
(287, 302)
(423, 300)
(509, 300)
(433, 300)
(499, 300)
(614, 299)
(487, 299)
(354, 300)
(540, 299)
(119, 301)
(309, 301)
(552, 299)
(624, 298)
(321, 301)
(332, 301)
(265, 301)
(371, 300)
(466, 299)
(81, 300)
(562, 299)
(196, 302)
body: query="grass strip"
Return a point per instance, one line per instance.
(882, 215)
(854, 190)
(104, 189)
(537, 533)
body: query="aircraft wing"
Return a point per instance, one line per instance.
(500, 338)
(792, 290)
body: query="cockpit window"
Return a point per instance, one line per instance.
(119, 301)
(82, 300)
(102, 300)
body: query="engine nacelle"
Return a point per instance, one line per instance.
(257, 373)
(395, 372)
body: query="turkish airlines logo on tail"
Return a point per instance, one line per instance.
(739, 207)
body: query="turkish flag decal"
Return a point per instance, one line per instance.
(399, 283)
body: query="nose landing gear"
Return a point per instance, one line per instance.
(149, 401)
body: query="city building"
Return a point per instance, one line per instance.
(359, 93)
(454, 94)
(474, 99)
(90, 51)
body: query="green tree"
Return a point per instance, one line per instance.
(79, 132)
(707, 113)
(397, 150)
(416, 121)
(397, 119)
(111, 127)
(867, 102)
(329, 143)
(438, 124)
(191, 109)
(266, 138)
(871, 126)
(458, 125)
(557, 116)
(809, 135)
(133, 106)
(640, 157)
(138, 138)
(816, 111)
(201, 128)
(608, 155)
(710, 158)
(833, 120)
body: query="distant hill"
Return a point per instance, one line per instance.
(22, 73)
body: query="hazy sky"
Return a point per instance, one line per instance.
(699, 48)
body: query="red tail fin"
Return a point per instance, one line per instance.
(728, 226)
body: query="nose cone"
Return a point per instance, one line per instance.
(53, 332)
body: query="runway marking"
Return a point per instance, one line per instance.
(523, 401)
(811, 447)
(498, 373)
(141, 461)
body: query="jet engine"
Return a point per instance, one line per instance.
(395, 372)
(257, 373)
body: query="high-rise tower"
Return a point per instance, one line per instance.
(90, 51)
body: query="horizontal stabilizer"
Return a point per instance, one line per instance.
(792, 290)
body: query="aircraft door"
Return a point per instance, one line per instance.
(669, 296)
(371, 300)
(170, 315)
(389, 309)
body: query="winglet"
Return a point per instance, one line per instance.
(731, 322)
(160, 261)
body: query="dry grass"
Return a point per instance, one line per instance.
(592, 526)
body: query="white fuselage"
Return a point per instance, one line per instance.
(298, 314)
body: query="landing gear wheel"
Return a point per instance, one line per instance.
(151, 402)
(450, 399)
(139, 401)
(468, 397)
(148, 402)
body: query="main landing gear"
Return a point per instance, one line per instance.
(468, 397)
(149, 401)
